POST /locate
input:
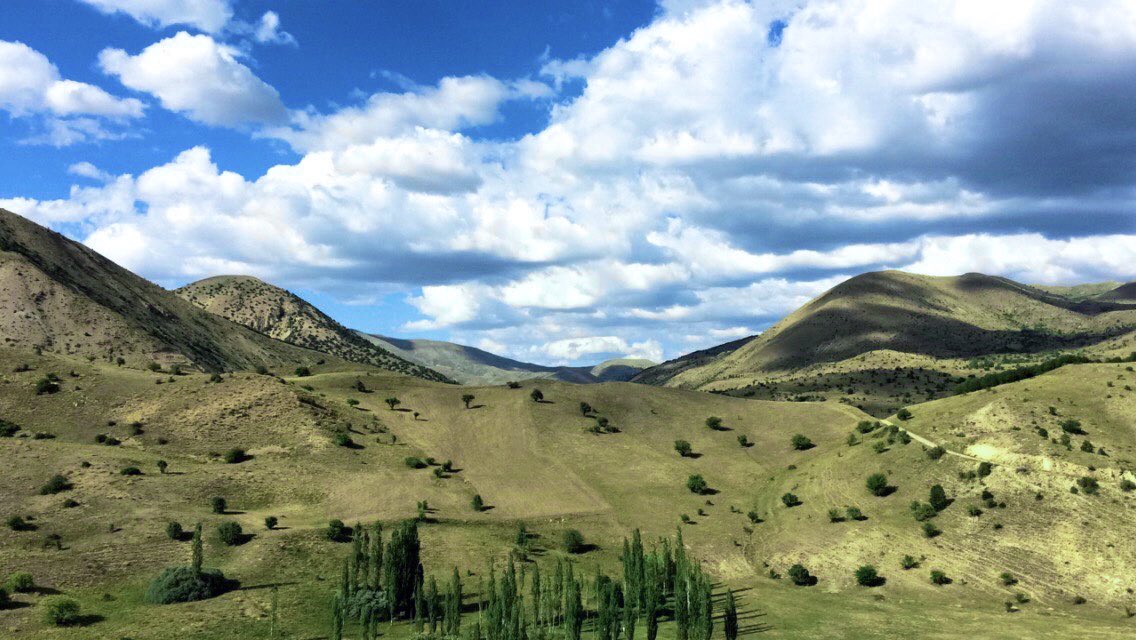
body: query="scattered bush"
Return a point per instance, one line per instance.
(218, 504)
(8, 429)
(936, 452)
(183, 584)
(56, 484)
(683, 448)
(131, 471)
(790, 500)
(801, 576)
(1127, 485)
(1008, 579)
(16, 523)
(574, 541)
(303, 372)
(867, 426)
(20, 582)
(801, 442)
(714, 422)
(834, 515)
(697, 484)
(337, 531)
(938, 498)
(984, 469)
(415, 462)
(939, 578)
(922, 511)
(467, 398)
(343, 440)
(477, 504)
(230, 533)
(743, 441)
(1073, 427)
(878, 485)
(753, 517)
(234, 456)
(867, 576)
(270, 522)
(174, 531)
(47, 385)
(392, 402)
(973, 511)
(930, 530)
(537, 395)
(904, 414)
(162, 466)
(60, 611)
(908, 562)
(1088, 485)
(853, 513)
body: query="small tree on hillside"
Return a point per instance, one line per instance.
(801, 442)
(683, 448)
(877, 484)
(162, 466)
(730, 622)
(467, 398)
(714, 422)
(938, 498)
(585, 409)
(537, 395)
(697, 484)
(392, 403)
(477, 504)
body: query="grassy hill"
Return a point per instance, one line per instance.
(61, 297)
(541, 464)
(882, 340)
(470, 365)
(285, 316)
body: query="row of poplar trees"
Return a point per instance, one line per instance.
(386, 583)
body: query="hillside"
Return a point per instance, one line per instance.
(61, 297)
(541, 464)
(661, 373)
(285, 316)
(1125, 293)
(470, 365)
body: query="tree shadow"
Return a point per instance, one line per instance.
(267, 585)
(87, 619)
(475, 406)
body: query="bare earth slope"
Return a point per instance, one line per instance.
(62, 297)
(285, 316)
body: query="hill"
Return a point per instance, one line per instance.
(285, 316)
(59, 296)
(882, 340)
(470, 365)
(661, 373)
(1125, 293)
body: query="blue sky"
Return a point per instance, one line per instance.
(563, 182)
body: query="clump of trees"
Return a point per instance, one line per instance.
(697, 484)
(878, 485)
(189, 583)
(801, 442)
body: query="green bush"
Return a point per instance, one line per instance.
(234, 456)
(697, 484)
(867, 576)
(414, 462)
(714, 422)
(904, 414)
(908, 562)
(343, 440)
(1127, 485)
(790, 500)
(16, 523)
(939, 578)
(47, 384)
(218, 504)
(60, 611)
(574, 541)
(477, 504)
(936, 452)
(930, 530)
(877, 484)
(20, 582)
(174, 531)
(853, 513)
(183, 584)
(801, 442)
(230, 533)
(938, 498)
(8, 429)
(270, 522)
(922, 511)
(337, 531)
(1088, 485)
(801, 576)
(56, 484)
(683, 448)
(131, 471)
(303, 372)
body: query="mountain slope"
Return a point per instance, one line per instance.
(939, 317)
(470, 365)
(1125, 293)
(281, 314)
(661, 373)
(60, 296)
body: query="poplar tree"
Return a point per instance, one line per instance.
(730, 622)
(198, 551)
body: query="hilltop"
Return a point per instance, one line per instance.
(282, 315)
(61, 297)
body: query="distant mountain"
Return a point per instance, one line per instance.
(661, 373)
(285, 316)
(470, 365)
(59, 296)
(1125, 293)
(937, 317)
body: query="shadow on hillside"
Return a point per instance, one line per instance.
(267, 585)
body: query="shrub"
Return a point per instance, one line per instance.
(878, 485)
(336, 531)
(753, 517)
(1088, 485)
(56, 484)
(174, 531)
(131, 471)
(984, 469)
(1073, 427)
(908, 562)
(218, 504)
(574, 541)
(697, 484)
(801, 442)
(867, 426)
(342, 440)
(936, 452)
(16, 523)
(938, 498)
(467, 398)
(853, 513)
(230, 533)
(801, 576)
(790, 500)
(939, 578)
(683, 448)
(162, 466)
(930, 530)
(1127, 485)
(513, 384)
(714, 422)
(1008, 579)
(183, 584)
(415, 462)
(20, 582)
(392, 402)
(537, 395)
(743, 441)
(8, 429)
(60, 611)
(4, 599)
(922, 511)
(234, 456)
(867, 576)
(834, 515)
(477, 504)
(270, 522)
(47, 384)
(904, 414)
(973, 511)
(585, 409)
(303, 372)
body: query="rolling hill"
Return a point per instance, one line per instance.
(470, 365)
(285, 316)
(59, 296)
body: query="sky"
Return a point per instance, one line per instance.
(564, 182)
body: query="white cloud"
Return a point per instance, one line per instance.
(87, 170)
(209, 16)
(198, 77)
(268, 30)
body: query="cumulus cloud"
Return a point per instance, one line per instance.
(708, 173)
(199, 77)
(209, 16)
(70, 111)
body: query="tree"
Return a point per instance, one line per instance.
(574, 541)
(56, 484)
(303, 372)
(585, 409)
(198, 551)
(790, 500)
(697, 484)
(904, 414)
(730, 621)
(867, 576)
(743, 441)
(467, 398)
(162, 466)
(878, 485)
(270, 522)
(230, 533)
(683, 448)
(537, 395)
(939, 578)
(938, 498)
(801, 442)
(930, 530)
(477, 504)
(714, 422)
(336, 531)
(60, 611)
(219, 505)
(174, 531)
(235, 455)
(392, 403)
